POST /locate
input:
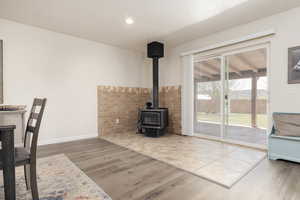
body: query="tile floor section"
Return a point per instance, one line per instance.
(218, 162)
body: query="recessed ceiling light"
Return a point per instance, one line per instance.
(129, 20)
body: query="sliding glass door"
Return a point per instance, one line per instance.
(208, 92)
(245, 91)
(230, 96)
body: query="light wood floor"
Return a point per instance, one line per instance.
(127, 175)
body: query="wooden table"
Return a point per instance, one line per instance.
(8, 159)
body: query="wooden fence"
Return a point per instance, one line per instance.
(235, 106)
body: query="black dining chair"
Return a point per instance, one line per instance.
(26, 156)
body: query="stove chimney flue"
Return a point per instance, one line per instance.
(155, 50)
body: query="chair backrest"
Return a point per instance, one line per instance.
(33, 125)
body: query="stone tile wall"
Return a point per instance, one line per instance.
(118, 107)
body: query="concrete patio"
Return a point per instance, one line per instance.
(238, 133)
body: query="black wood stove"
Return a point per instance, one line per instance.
(153, 120)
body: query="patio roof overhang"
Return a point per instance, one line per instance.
(241, 65)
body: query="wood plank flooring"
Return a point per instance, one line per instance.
(127, 175)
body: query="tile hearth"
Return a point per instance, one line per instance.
(218, 162)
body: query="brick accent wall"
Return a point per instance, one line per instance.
(119, 103)
(170, 97)
(122, 103)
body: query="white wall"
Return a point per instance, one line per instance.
(283, 97)
(66, 70)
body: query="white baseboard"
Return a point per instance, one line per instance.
(66, 139)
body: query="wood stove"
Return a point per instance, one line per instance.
(153, 120)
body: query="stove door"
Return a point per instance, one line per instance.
(151, 118)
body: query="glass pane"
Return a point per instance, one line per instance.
(246, 97)
(207, 97)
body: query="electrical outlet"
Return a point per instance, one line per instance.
(117, 121)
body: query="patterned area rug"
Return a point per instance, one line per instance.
(220, 163)
(58, 179)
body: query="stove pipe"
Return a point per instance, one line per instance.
(155, 51)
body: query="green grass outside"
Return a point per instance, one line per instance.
(234, 119)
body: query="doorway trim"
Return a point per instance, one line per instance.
(246, 38)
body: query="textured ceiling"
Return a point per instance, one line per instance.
(171, 21)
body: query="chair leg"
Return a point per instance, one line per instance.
(33, 182)
(27, 175)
